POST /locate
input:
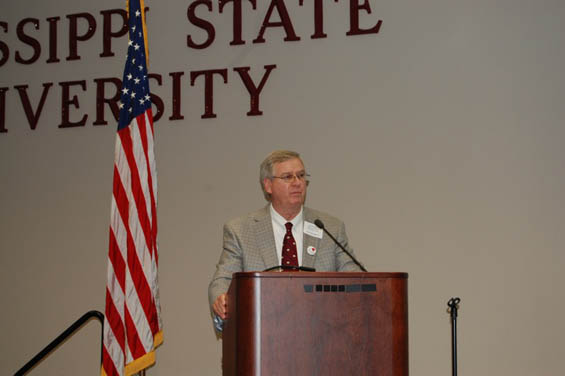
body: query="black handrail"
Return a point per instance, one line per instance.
(63, 336)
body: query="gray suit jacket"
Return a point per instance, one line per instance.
(249, 245)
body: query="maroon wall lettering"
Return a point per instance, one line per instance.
(237, 19)
(107, 33)
(74, 36)
(32, 116)
(201, 23)
(53, 40)
(66, 102)
(318, 18)
(30, 41)
(209, 88)
(155, 99)
(177, 101)
(3, 46)
(285, 22)
(253, 90)
(3, 91)
(82, 27)
(354, 9)
(101, 99)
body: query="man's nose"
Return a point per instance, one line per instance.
(296, 180)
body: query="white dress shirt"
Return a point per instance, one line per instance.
(279, 231)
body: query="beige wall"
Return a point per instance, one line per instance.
(439, 141)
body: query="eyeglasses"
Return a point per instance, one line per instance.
(289, 178)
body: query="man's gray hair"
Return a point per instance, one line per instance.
(266, 169)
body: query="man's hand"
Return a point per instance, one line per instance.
(220, 306)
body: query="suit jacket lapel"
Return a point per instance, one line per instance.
(263, 228)
(309, 241)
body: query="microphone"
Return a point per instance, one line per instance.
(293, 268)
(320, 224)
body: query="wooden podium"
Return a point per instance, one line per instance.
(305, 324)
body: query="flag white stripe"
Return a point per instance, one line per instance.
(140, 233)
(153, 171)
(115, 291)
(138, 315)
(113, 347)
(141, 163)
(120, 231)
(112, 344)
(151, 154)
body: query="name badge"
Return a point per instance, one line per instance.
(313, 230)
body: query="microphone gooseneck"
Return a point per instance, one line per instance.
(320, 225)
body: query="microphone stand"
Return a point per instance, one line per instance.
(320, 225)
(453, 305)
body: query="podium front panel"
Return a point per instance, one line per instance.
(297, 323)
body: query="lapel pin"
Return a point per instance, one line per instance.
(311, 251)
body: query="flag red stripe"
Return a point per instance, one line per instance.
(134, 343)
(154, 198)
(150, 116)
(143, 127)
(136, 189)
(118, 262)
(121, 197)
(108, 364)
(140, 283)
(115, 321)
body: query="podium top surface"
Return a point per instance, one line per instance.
(306, 275)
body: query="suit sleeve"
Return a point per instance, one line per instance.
(231, 261)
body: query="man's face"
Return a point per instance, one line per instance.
(287, 196)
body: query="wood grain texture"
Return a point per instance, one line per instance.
(277, 327)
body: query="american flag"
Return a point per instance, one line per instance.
(133, 326)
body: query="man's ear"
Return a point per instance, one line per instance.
(268, 185)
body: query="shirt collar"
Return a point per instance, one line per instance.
(280, 220)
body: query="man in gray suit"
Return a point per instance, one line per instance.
(255, 241)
